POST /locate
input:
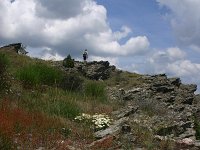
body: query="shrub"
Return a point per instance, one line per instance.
(68, 62)
(71, 82)
(39, 74)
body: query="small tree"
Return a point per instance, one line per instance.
(68, 62)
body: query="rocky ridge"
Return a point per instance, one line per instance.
(163, 106)
(159, 105)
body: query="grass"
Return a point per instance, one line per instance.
(45, 112)
(38, 74)
(4, 62)
(96, 89)
(28, 129)
(125, 80)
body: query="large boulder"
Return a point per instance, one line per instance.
(95, 70)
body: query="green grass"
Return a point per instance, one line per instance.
(53, 102)
(96, 89)
(125, 80)
(4, 63)
(39, 74)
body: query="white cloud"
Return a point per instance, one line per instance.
(175, 53)
(185, 20)
(122, 34)
(67, 27)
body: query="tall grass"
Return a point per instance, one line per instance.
(54, 102)
(27, 130)
(96, 89)
(3, 63)
(3, 67)
(38, 74)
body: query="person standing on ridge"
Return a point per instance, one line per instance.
(85, 55)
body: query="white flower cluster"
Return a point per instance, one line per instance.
(83, 117)
(99, 121)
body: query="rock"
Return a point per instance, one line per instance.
(175, 81)
(17, 47)
(188, 100)
(126, 128)
(125, 111)
(112, 130)
(95, 70)
(162, 88)
(185, 143)
(190, 88)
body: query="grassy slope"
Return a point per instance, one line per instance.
(46, 113)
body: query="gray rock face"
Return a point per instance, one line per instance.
(93, 70)
(112, 130)
(97, 70)
(17, 47)
(164, 105)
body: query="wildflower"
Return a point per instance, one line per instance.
(100, 121)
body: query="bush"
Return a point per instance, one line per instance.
(68, 62)
(39, 74)
(96, 89)
(71, 82)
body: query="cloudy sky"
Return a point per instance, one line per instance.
(144, 36)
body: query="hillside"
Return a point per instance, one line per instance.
(45, 105)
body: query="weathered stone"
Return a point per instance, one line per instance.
(126, 128)
(125, 111)
(185, 143)
(17, 47)
(162, 88)
(175, 81)
(190, 88)
(112, 130)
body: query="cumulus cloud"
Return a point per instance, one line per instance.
(185, 20)
(66, 26)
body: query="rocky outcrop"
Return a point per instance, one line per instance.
(162, 105)
(94, 70)
(16, 47)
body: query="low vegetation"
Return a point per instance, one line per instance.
(4, 62)
(43, 106)
(39, 74)
(68, 62)
(46, 102)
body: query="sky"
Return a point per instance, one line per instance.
(142, 36)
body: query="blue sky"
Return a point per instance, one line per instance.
(143, 36)
(145, 17)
